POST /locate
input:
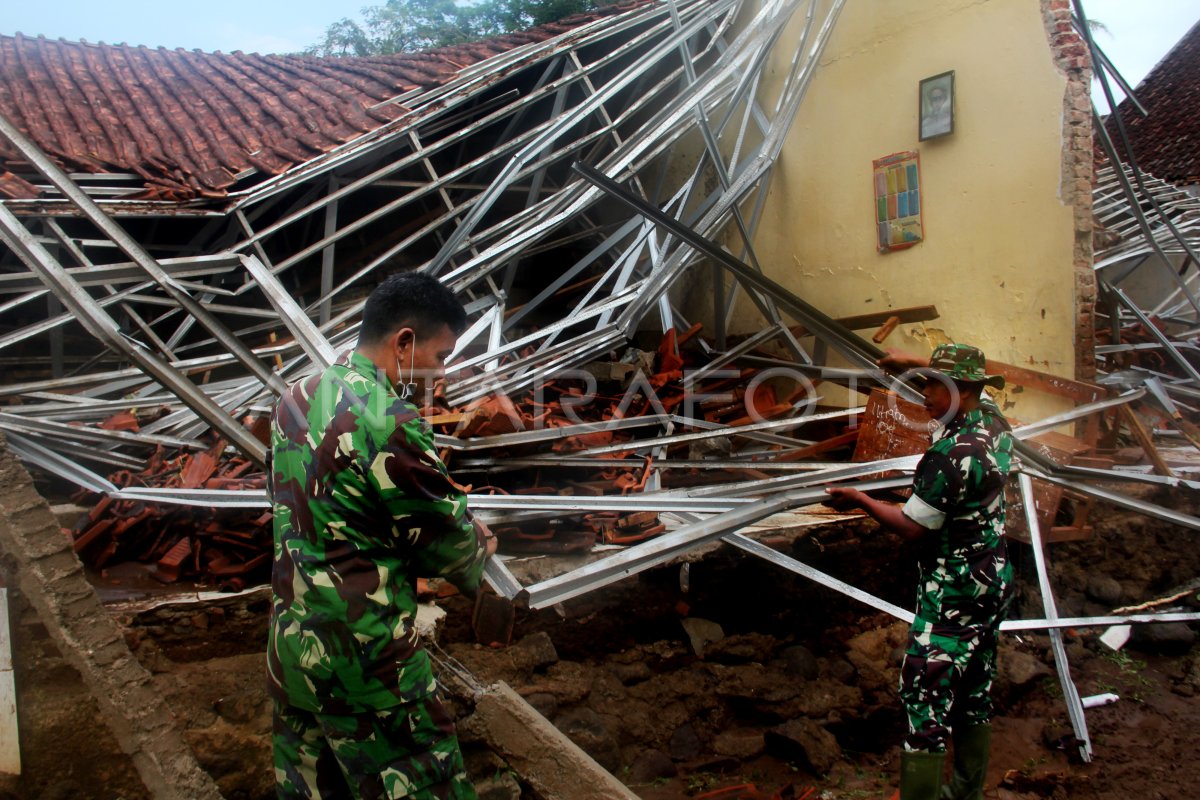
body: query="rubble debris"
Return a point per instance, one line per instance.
(229, 548)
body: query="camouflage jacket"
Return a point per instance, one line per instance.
(362, 506)
(958, 494)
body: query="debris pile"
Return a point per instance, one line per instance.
(611, 429)
(226, 548)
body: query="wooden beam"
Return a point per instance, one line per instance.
(823, 446)
(876, 319)
(885, 330)
(1145, 440)
(10, 749)
(1078, 391)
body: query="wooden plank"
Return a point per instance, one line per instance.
(1145, 440)
(876, 319)
(1093, 462)
(1061, 447)
(447, 419)
(1176, 420)
(885, 330)
(1047, 497)
(823, 446)
(1069, 533)
(10, 747)
(1078, 391)
(890, 426)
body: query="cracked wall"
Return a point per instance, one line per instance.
(1071, 58)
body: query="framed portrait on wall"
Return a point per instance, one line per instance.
(936, 105)
(898, 201)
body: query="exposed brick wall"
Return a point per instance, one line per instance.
(1072, 59)
(36, 553)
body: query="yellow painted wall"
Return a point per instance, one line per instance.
(997, 255)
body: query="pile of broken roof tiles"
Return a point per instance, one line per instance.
(533, 446)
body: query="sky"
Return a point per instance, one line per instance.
(1139, 32)
(255, 26)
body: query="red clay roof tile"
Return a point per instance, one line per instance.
(188, 122)
(1166, 143)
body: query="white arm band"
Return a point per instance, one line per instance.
(923, 514)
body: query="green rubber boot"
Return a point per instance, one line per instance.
(921, 775)
(972, 744)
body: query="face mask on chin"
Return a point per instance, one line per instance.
(407, 391)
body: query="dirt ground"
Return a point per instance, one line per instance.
(752, 676)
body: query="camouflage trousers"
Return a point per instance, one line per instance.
(946, 679)
(406, 751)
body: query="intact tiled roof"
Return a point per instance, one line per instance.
(188, 123)
(1166, 142)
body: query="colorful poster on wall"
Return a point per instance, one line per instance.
(898, 201)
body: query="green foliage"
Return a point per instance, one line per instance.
(1031, 764)
(1134, 684)
(702, 782)
(1128, 665)
(408, 26)
(500, 772)
(627, 770)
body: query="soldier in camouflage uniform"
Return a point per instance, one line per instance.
(362, 506)
(956, 512)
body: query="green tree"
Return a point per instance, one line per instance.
(407, 26)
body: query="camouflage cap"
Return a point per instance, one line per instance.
(962, 362)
